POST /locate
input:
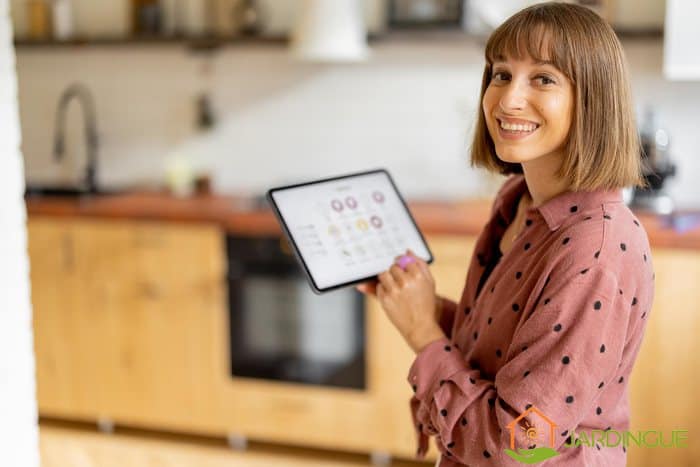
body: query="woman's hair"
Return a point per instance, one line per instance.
(603, 150)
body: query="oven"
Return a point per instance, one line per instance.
(280, 330)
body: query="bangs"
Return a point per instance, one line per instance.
(532, 35)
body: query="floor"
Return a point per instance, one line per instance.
(64, 445)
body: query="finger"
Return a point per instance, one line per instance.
(372, 287)
(398, 275)
(367, 288)
(387, 281)
(421, 262)
(414, 270)
(381, 291)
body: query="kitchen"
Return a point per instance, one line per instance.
(139, 271)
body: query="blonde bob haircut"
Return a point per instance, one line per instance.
(602, 150)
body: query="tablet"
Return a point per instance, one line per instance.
(347, 229)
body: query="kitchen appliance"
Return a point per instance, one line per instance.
(657, 167)
(422, 13)
(330, 31)
(280, 330)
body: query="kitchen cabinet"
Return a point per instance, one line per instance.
(131, 325)
(681, 34)
(666, 378)
(66, 380)
(123, 316)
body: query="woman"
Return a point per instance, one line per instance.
(560, 284)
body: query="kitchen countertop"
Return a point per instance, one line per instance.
(240, 215)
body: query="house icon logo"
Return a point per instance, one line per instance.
(532, 435)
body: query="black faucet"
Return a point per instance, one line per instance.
(83, 94)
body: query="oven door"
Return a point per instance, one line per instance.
(281, 330)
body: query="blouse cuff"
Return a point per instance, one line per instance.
(436, 362)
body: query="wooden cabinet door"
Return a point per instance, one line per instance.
(72, 290)
(665, 381)
(124, 314)
(160, 366)
(60, 318)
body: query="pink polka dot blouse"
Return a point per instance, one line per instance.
(542, 342)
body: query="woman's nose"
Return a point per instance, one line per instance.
(513, 97)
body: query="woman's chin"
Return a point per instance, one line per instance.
(512, 159)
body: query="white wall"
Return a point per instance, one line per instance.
(18, 414)
(410, 108)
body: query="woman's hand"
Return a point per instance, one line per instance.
(408, 298)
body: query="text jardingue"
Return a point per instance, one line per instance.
(650, 438)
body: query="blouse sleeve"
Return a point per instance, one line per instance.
(448, 309)
(563, 354)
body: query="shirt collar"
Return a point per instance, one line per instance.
(557, 209)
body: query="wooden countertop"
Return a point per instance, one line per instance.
(242, 216)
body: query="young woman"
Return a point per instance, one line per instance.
(560, 284)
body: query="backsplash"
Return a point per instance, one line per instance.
(410, 109)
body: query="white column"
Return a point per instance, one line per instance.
(18, 412)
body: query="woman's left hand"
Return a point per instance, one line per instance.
(408, 298)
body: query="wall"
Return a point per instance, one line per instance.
(410, 109)
(18, 415)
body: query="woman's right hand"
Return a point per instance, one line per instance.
(370, 287)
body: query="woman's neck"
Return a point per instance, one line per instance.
(542, 182)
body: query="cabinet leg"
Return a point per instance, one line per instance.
(380, 458)
(237, 442)
(105, 425)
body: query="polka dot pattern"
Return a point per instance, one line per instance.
(575, 287)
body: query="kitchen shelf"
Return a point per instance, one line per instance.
(196, 43)
(193, 43)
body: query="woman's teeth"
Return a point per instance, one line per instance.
(525, 128)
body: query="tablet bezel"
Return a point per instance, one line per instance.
(293, 243)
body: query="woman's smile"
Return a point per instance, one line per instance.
(516, 129)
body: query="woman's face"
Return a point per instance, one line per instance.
(535, 102)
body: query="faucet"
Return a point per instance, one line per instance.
(87, 102)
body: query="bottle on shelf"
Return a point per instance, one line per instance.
(62, 12)
(39, 20)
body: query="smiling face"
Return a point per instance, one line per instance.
(528, 108)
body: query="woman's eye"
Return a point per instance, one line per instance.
(546, 79)
(497, 74)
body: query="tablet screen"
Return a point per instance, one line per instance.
(347, 229)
